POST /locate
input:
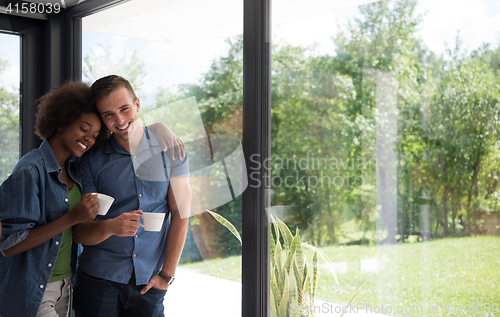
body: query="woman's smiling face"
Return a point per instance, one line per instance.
(79, 135)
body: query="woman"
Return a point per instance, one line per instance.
(41, 201)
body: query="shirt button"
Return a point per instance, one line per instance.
(135, 156)
(50, 264)
(140, 195)
(57, 242)
(66, 199)
(41, 286)
(137, 175)
(135, 255)
(136, 235)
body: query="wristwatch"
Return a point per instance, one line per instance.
(169, 279)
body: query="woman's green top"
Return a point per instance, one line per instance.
(62, 267)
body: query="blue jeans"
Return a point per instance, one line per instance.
(96, 297)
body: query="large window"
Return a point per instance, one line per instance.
(384, 145)
(384, 155)
(184, 60)
(9, 103)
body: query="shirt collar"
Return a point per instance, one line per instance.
(52, 164)
(48, 157)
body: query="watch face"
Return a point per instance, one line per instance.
(171, 280)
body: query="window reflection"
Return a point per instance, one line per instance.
(184, 60)
(384, 156)
(9, 103)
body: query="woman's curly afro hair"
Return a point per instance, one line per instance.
(62, 105)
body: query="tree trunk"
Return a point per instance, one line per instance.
(455, 206)
(473, 185)
(330, 222)
(444, 197)
(444, 201)
(436, 209)
(318, 232)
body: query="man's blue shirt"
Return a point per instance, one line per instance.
(32, 196)
(136, 182)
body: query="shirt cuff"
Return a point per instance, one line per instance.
(14, 239)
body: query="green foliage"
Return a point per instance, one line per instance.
(103, 61)
(327, 110)
(459, 137)
(293, 282)
(446, 166)
(222, 241)
(493, 57)
(430, 93)
(226, 224)
(309, 122)
(219, 94)
(9, 127)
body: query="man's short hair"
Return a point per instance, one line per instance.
(106, 85)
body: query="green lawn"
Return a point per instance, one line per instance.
(442, 272)
(228, 268)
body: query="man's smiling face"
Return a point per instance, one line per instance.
(119, 112)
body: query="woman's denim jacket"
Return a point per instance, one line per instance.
(32, 196)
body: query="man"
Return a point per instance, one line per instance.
(124, 270)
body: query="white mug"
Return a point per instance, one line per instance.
(104, 202)
(152, 221)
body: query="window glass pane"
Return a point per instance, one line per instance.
(385, 146)
(185, 60)
(9, 103)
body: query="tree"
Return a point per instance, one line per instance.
(382, 41)
(219, 96)
(462, 134)
(103, 61)
(9, 127)
(309, 126)
(329, 110)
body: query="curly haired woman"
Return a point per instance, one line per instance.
(41, 201)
